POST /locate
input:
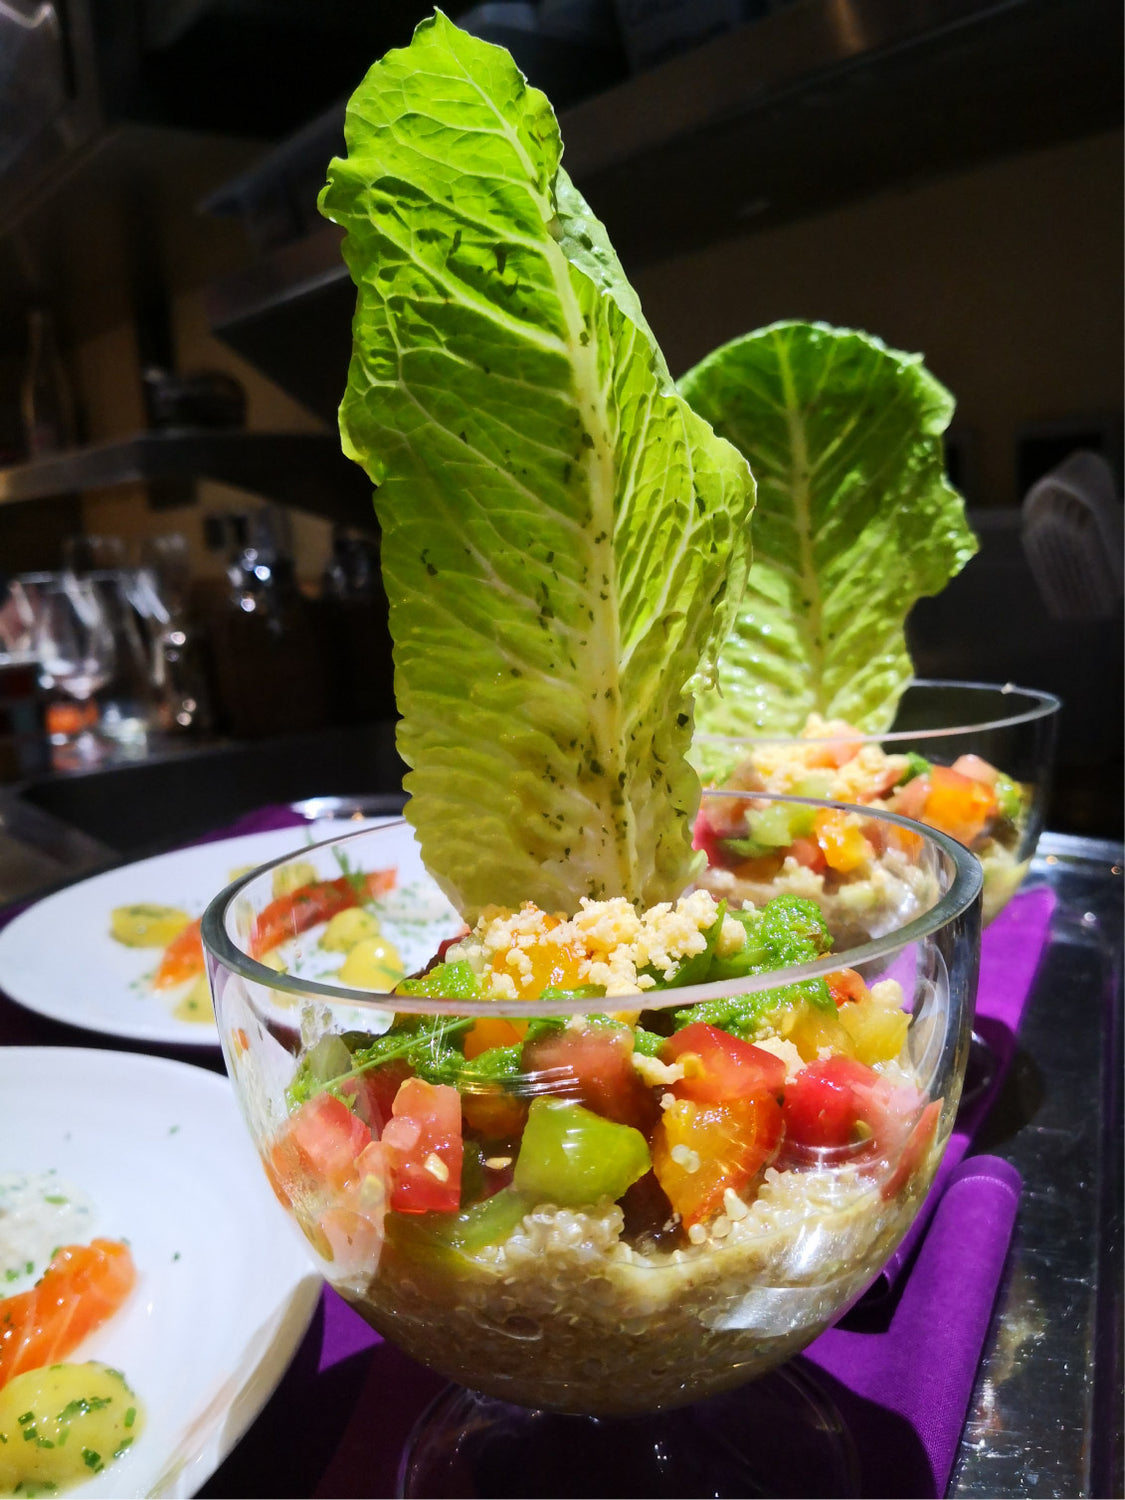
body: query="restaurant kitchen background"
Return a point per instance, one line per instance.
(174, 336)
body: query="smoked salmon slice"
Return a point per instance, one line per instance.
(283, 918)
(82, 1287)
(182, 959)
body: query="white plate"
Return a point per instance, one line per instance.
(225, 1290)
(57, 958)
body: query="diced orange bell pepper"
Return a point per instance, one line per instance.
(494, 1115)
(959, 805)
(542, 966)
(844, 985)
(700, 1150)
(493, 1031)
(842, 840)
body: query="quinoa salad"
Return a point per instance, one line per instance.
(864, 884)
(521, 1202)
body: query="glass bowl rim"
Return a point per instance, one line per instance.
(1042, 705)
(964, 889)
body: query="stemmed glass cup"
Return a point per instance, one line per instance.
(566, 1316)
(73, 639)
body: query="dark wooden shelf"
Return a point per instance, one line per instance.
(822, 103)
(304, 470)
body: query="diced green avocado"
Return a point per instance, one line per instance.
(573, 1157)
(1009, 794)
(780, 823)
(916, 765)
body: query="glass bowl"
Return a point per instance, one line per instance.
(973, 759)
(575, 1204)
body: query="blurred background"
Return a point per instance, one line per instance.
(175, 330)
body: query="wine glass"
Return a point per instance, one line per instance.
(75, 646)
(573, 1231)
(973, 759)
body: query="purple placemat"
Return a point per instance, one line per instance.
(903, 1387)
(1010, 952)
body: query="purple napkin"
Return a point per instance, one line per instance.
(261, 820)
(903, 1388)
(1010, 950)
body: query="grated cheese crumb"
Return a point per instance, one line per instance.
(436, 1167)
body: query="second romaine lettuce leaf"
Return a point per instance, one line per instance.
(564, 539)
(855, 521)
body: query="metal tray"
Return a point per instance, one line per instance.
(1045, 1414)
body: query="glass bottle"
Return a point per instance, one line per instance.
(46, 402)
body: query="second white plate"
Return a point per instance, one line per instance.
(58, 958)
(225, 1288)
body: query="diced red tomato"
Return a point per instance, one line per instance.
(822, 1106)
(808, 852)
(976, 769)
(718, 1066)
(424, 1148)
(327, 1138)
(701, 1150)
(913, 1151)
(958, 804)
(880, 785)
(599, 1060)
(705, 837)
(372, 1094)
(840, 1101)
(910, 800)
(311, 904)
(182, 959)
(838, 752)
(845, 985)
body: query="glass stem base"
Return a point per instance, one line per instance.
(779, 1435)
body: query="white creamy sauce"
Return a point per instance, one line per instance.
(38, 1213)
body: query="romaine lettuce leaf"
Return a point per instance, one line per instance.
(855, 521)
(564, 539)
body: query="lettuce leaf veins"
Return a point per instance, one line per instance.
(855, 521)
(564, 539)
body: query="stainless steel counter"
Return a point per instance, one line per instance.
(1045, 1416)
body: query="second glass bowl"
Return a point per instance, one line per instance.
(971, 759)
